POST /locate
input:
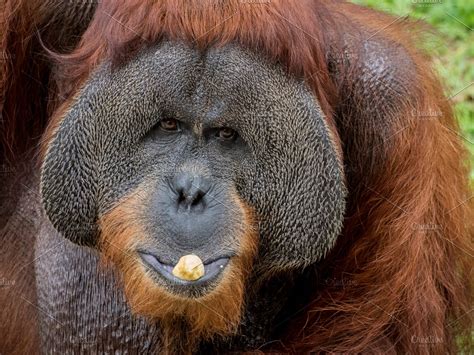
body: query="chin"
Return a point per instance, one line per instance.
(208, 306)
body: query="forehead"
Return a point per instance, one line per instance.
(209, 87)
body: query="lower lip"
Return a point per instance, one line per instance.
(211, 270)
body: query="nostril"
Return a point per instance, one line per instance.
(189, 191)
(181, 196)
(190, 198)
(197, 199)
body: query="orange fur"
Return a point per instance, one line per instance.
(397, 278)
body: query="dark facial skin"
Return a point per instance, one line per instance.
(191, 207)
(194, 133)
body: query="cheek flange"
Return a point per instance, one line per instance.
(69, 186)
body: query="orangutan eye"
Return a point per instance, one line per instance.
(170, 125)
(227, 134)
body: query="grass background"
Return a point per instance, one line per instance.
(452, 49)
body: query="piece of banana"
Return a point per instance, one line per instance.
(189, 268)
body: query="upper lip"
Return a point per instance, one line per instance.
(212, 268)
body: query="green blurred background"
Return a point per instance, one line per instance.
(452, 48)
